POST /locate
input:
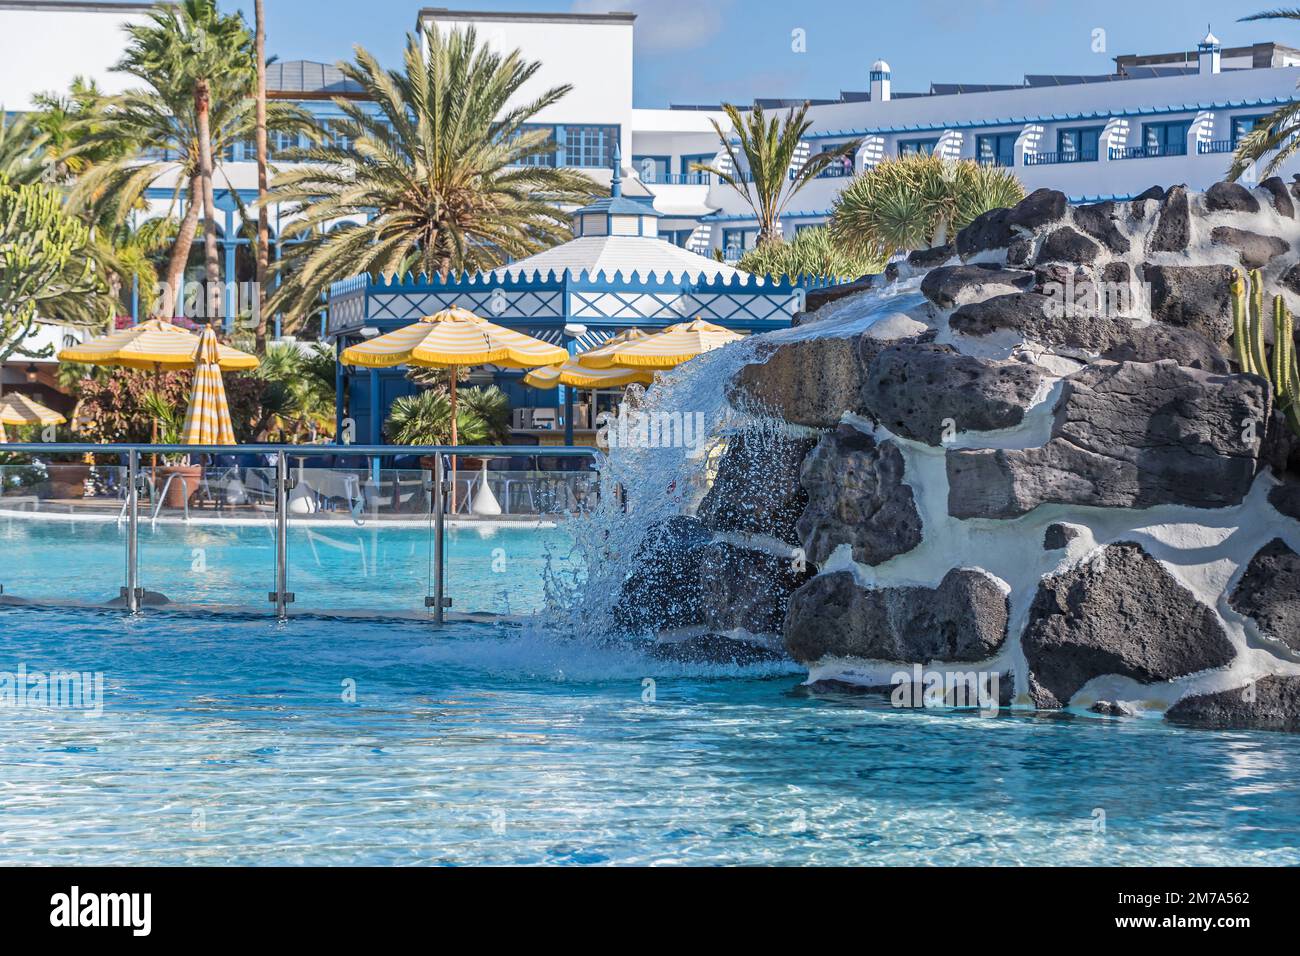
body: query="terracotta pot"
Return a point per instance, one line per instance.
(68, 479)
(183, 486)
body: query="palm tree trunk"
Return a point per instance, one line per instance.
(173, 303)
(213, 270)
(263, 226)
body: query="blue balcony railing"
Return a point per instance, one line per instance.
(1068, 156)
(1215, 146)
(1148, 152)
(678, 179)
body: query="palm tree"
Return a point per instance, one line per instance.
(917, 202)
(154, 130)
(23, 149)
(1277, 131)
(438, 180)
(71, 122)
(263, 226)
(299, 390)
(425, 417)
(770, 167)
(198, 50)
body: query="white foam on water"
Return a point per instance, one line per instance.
(642, 487)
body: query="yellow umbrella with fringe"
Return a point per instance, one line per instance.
(18, 409)
(207, 421)
(152, 346)
(576, 375)
(450, 339)
(664, 350)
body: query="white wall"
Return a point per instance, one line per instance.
(43, 46)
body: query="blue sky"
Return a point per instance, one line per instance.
(705, 51)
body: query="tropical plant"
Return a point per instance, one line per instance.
(46, 267)
(770, 176)
(1279, 367)
(490, 406)
(23, 149)
(425, 417)
(111, 402)
(812, 252)
(154, 129)
(298, 399)
(168, 418)
(917, 202)
(199, 50)
(1276, 131)
(71, 124)
(439, 180)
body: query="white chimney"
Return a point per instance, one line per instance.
(1207, 54)
(879, 81)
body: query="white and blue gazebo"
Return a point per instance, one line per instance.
(616, 273)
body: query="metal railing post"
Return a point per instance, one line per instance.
(132, 590)
(281, 595)
(439, 556)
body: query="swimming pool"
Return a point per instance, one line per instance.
(240, 741)
(380, 566)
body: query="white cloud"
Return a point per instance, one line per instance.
(666, 25)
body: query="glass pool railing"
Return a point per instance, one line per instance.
(282, 529)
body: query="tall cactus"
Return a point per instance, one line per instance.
(1280, 369)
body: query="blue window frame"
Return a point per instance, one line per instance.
(686, 161)
(339, 138)
(545, 158)
(652, 169)
(996, 149)
(1166, 139)
(588, 147)
(735, 242)
(917, 147)
(678, 237)
(1078, 144)
(278, 142)
(1241, 125)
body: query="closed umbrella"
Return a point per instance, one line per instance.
(152, 346)
(207, 422)
(667, 349)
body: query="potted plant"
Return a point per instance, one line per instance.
(184, 477)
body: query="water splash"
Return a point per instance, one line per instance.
(649, 479)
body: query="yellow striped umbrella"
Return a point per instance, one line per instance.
(20, 409)
(578, 376)
(207, 422)
(573, 373)
(452, 338)
(151, 346)
(667, 349)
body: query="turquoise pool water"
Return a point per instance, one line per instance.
(236, 741)
(333, 566)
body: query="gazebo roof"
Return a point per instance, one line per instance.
(626, 254)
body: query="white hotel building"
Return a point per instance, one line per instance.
(1156, 119)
